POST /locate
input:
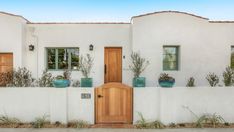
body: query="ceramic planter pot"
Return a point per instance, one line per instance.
(61, 83)
(138, 82)
(86, 82)
(166, 83)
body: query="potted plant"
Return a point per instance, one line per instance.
(138, 65)
(62, 81)
(86, 64)
(166, 81)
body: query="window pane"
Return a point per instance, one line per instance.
(74, 58)
(170, 50)
(170, 58)
(62, 59)
(51, 59)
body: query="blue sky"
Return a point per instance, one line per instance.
(112, 10)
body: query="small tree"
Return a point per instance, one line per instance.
(228, 77)
(138, 64)
(213, 79)
(85, 65)
(191, 82)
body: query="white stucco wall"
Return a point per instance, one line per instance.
(167, 104)
(204, 47)
(12, 32)
(62, 105)
(79, 35)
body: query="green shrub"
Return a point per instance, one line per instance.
(67, 75)
(213, 79)
(191, 82)
(76, 83)
(46, 79)
(156, 125)
(78, 124)
(138, 64)
(165, 77)
(39, 122)
(22, 77)
(228, 77)
(213, 119)
(6, 120)
(143, 124)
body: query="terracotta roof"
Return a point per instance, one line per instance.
(159, 12)
(78, 23)
(14, 15)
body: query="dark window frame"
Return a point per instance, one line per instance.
(57, 60)
(177, 57)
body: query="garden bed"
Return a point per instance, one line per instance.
(73, 125)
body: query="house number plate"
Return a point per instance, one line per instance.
(85, 96)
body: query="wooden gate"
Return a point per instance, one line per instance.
(113, 104)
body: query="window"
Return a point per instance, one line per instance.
(170, 57)
(62, 58)
(232, 57)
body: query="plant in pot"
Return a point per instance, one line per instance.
(62, 81)
(85, 65)
(138, 65)
(166, 81)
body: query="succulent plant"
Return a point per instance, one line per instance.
(165, 77)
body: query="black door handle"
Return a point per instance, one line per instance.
(99, 96)
(105, 68)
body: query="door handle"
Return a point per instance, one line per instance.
(99, 96)
(105, 68)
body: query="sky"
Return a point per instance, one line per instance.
(112, 10)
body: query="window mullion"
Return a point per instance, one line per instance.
(56, 59)
(69, 59)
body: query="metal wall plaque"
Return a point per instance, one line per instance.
(85, 95)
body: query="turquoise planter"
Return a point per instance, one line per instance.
(61, 83)
(166, 84)
(86, 82)
(138, 82)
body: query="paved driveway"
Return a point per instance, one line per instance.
(115, 130)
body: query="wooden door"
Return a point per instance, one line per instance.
(113, 64)
(113, 104)
(6, 62)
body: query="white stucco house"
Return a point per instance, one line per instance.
(197, 45)
(181, 44)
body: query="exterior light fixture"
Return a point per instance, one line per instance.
(31, 47)
(90, 47)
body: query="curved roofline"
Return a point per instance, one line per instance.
(10, 14)
(158, 12)
(179, 12)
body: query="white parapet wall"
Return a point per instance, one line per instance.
(165, 104)
(58, 104)
(170, 105)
